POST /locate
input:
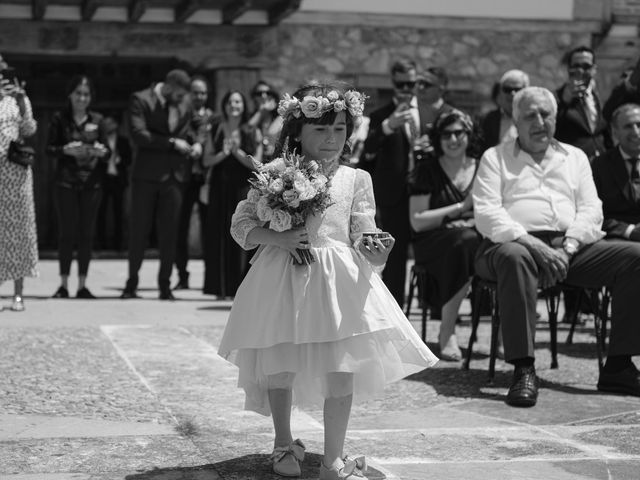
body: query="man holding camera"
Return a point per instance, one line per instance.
(397, 136)
(580, 121)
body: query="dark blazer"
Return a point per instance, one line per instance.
(614, 189)
(390, 154)
(155, 158)
(490, 129)
(619, 96)
(572, 126)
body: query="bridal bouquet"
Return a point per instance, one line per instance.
(287, 191)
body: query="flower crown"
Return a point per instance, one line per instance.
(316, 106)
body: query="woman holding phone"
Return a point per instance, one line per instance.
(18, 239)
(78, 142)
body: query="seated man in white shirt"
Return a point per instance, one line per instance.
(536, 204)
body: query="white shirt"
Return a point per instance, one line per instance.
(513, 195)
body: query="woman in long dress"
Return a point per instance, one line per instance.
(441, 215)
(228, 152)
(18, 239)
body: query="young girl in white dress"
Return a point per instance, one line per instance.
(328, 332)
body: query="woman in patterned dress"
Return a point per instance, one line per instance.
(18, 240)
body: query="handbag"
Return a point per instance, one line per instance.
(21, 154)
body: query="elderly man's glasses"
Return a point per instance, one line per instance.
(458, 133)
(404, 85)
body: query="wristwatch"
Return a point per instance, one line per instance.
(570, 246)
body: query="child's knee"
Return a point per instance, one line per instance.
(280, 380)
(339, 384)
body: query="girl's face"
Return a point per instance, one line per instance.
(324, 142)
(234, 106)
(454, 139)
(81, 97)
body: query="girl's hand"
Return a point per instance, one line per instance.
(375, 251)
(290, 240)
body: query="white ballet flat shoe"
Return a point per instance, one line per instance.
(352, 469)
(286, 460)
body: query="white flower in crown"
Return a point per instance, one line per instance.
(355, 103)
(316, 106)
(289, 105)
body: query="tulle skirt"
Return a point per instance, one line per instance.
(335, 315)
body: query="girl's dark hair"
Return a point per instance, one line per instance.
(75, 82)
(449, 117)
(292, 126)
(244, 118)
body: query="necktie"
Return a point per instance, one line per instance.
(590, 109)
(635, 178)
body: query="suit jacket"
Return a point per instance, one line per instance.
(619, 96)
(614, 189)
(390, 157)
(156, 160)
(490, 129)
(572, 126)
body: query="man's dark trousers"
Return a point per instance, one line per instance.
(612, 263)
(165, 199)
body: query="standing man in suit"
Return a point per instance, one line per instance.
(201, 122)
(497, 126)
(396, 137)
(114, 184)
(617, 177)
(162, 134)
(580, 121)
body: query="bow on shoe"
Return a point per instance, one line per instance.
(354, 466)
(295, 448)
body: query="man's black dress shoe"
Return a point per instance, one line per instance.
(166, 295)
(524, 388)
(61, 293)
(182, 285)
(84, 292)
(129, 293)
(626, 381)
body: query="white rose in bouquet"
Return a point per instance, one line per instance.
(281, 221)
(291, 198)
(276, 186)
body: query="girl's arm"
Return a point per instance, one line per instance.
(210, 157)
(363, 211)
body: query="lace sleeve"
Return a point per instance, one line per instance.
(363, 212)
(243, 221)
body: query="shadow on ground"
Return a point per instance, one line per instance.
(247, 467)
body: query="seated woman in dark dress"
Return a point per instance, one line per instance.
(441, 216)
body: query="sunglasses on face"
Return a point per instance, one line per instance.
(510, 90)
(262, 93)
(404, 85)
(458, 133)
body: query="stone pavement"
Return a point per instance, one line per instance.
(134, 390)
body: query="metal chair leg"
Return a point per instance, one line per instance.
(495, 330)
(475, 320)
(553, 300)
